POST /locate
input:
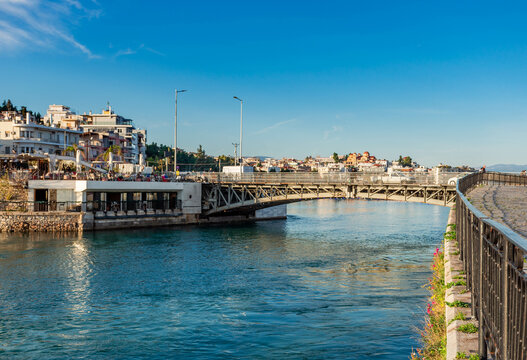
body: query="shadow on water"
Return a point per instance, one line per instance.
(337, 279)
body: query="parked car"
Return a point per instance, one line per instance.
(396, 178)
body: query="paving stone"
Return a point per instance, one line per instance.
(503, 203)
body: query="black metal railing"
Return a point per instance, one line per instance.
(494, 257)
(91, 206)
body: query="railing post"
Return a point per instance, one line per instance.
(505, 299)
(482, 344)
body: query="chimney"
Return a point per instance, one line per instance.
(27, 118)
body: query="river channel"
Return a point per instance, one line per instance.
(339, 279)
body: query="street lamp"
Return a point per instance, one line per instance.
(241, 132)
(175, 135)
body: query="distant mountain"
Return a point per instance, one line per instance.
(507, 168)
(261, 158)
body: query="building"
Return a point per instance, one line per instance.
(62, 116)
(24, 135)
(107, 122)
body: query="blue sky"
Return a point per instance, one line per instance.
(442, 82)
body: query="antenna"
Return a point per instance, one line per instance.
(235, 153)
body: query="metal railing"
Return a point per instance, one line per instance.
(90, 206)
(494, 259)
(341, 178)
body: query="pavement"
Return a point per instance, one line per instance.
(503, 203)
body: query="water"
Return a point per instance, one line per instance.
(338, 279)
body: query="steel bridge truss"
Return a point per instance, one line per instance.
(219, 197)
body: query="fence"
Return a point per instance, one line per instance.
(494, 258)
(90, 206)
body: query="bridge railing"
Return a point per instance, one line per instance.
(494, 260)
(339, 178)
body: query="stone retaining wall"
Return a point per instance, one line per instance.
(37, 221)
(457, 296)
(11, 221)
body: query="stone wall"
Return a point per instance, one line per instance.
(39, 221)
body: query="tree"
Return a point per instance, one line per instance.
(405, 161)
(200, 152)
(115, 149)
(335, 157)
(9, 106)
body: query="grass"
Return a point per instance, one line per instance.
(434, 332)
(455, 252)
(459, 316)
(456, 283)
(450, 235)
(468, 328)
(462, 355)
(458, 303)
(459, 277)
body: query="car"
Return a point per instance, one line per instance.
(455, 179)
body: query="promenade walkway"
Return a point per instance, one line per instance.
(503, 203)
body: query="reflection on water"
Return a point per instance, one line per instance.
(338, 279)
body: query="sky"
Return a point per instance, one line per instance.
(439, 81)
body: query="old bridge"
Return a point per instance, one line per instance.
(244, 193)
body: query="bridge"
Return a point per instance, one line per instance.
(243, 193)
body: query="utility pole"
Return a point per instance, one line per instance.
(235, 153)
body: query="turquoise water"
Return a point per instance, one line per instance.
(336, 280)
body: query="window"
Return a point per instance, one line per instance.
(7, 150)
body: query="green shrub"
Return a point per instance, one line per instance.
(468, 328)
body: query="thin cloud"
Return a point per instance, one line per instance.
(274, 126)
(333, 130)
(130, 51)
(45, 24)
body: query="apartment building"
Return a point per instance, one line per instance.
(21, 134)
(107, 122)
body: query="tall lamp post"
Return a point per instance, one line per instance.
(175, 135)
(241, 132)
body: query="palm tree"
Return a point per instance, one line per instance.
(72, 148)
(115, 149)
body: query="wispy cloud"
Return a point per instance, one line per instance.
(130, 51)
(333, 130)
(274, 126)
(45, 24)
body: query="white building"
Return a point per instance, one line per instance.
(23, 135)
